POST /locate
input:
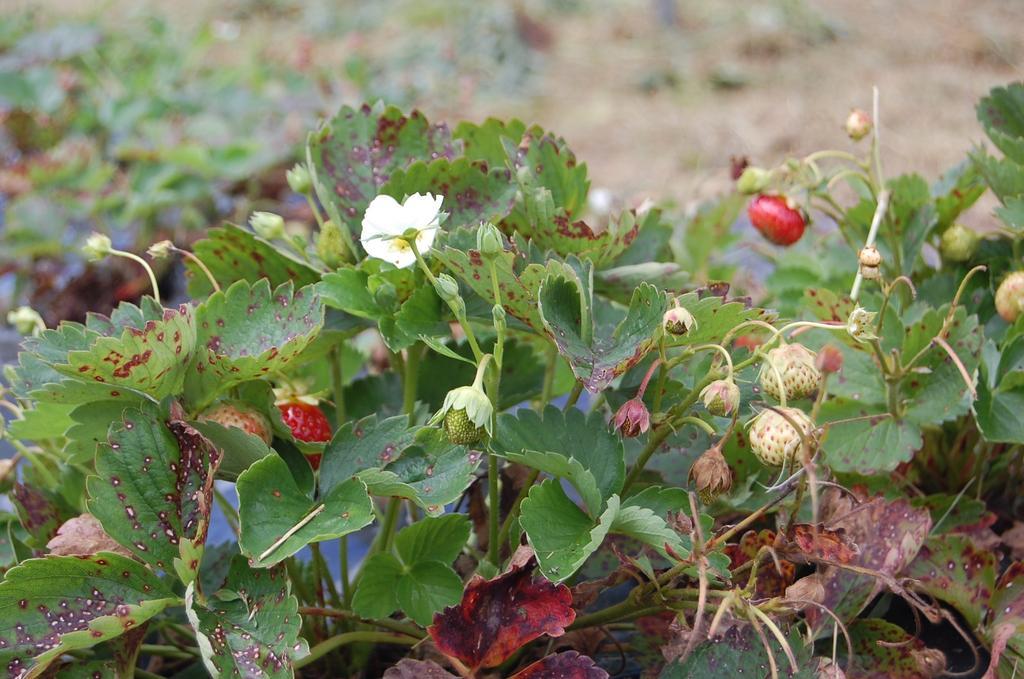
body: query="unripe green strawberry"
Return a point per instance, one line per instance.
(459, 429)
(1010, 296)
(795, 364)
(773, 440)
(234, 414)
(958, 243)
(721, 397)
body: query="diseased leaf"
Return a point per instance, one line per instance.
(882, 650)
(951, 569)
(61, 603)
(1004, 626)
(249, 331)
(91, 424)
(561, 534)
(576, 444)
(278, 519)
(473, 191)
(864, 440)
(564, 665)
(518, 280)
(83, 536)
(40, 511)
(771, 581)
(596, 361)
(153, 489)
(1001, 113)
(889, 535)
(250, 628)
(498, 616)
(739, 652)
(364, 444)
(356, 151)
(233, 253)
(407, 668)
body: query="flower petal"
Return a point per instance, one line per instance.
(421, 210)
(384, 216)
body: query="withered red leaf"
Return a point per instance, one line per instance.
(773, 576)
(564, 665)
(496, 617)
(806, 541)
(407, 668)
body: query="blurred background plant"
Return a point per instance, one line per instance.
(148, 120)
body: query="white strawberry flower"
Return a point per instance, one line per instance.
(389, 226)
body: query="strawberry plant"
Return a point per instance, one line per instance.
(469, 430)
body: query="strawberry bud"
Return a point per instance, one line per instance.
(632, 418)
(861, 324)
(721, 397)
(97, 246)
(830, 359)
(466, 413)
(958, 243)
(1010, 296)
(267, 225)
(489, 241)
(26, 320)
(858, 124)
(678, 321)
(753, 180)
(711, 474)
(299, 179)
(330, 245)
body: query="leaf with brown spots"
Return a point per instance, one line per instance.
(278, 519)
(154, 489)
(738, 652)
(73, 364)
(889, 535)
(518, 280)
(232, 253)
(568, 313)
(715, 316)
(40, 512)
(805, 542)
(250, 628)
(407, 668)
(249, 331)
(882, 650)
(499, 616)
(772, 581)
(1003, 628)
(473, 192)
(952, 569)
(57, 604)
(564, 665)
(354, 154)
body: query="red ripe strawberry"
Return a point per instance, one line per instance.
(776, 220)
(308, 423)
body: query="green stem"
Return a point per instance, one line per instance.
(145, 265)
(164, 651)
(657, 437)
(494, 498)
(513, 512)
(143, 674)
(37, 464)
(337, 385)
(407, 629)
(346, 584)
(549, 375)
(328, 645)
(411, 378)
(460, 315)
(387, 527)
(202, 267)
(574, 395)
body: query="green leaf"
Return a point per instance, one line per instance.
(59, 604)
(473, 192)
(150, 359)
(738, 652)
(440, 539)
(420, 581)
(368, 443)
(356, 152)
(44, 421)
(596, 361)
(519, 281)
(1001, 113)
(376, 595)
(714, 318)
(153, 489)
(543, 162)
(522, 374)
(561, 534)
(873, 442)
(1004, 176)
(421, 314)
(645, 525)
(566, 443)
(232, 254)
(250, 628)
(967, 585)
(935, 391)
(486, 141)
(956, 191)
(349, 290)
(240, 448)
(277, 519)
(249, 331)
(998, 412)
(432, 472)
(91, 423)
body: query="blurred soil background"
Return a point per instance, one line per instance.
(655, 95)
